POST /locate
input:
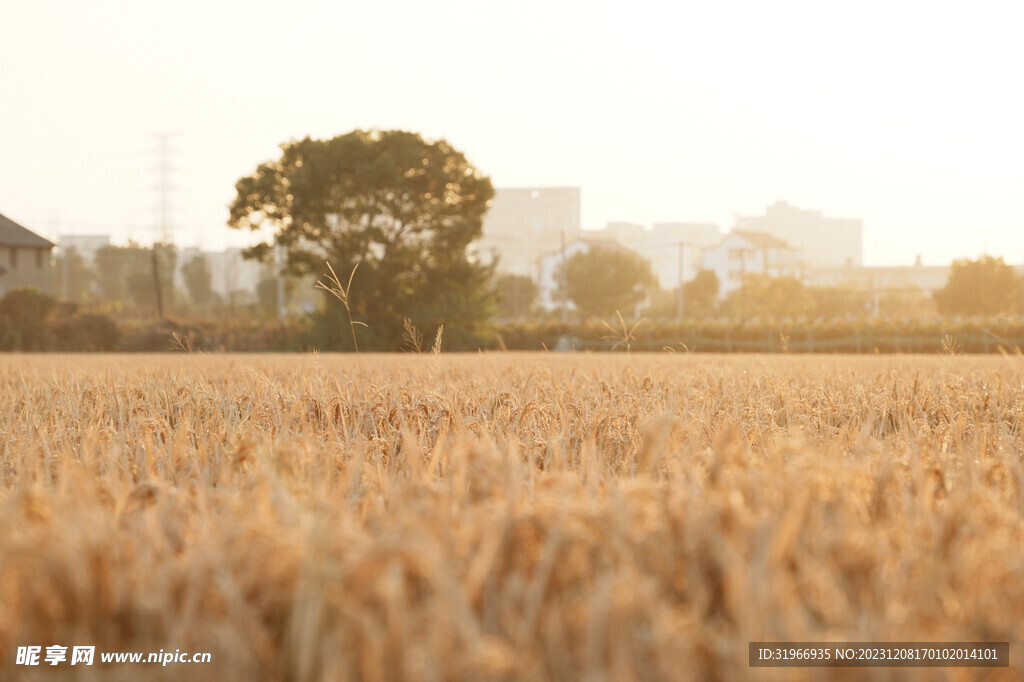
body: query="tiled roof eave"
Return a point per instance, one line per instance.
(13, 234)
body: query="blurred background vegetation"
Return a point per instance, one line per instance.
(979, 310)
(112, 306)
(408, 212)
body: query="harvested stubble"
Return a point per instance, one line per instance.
(506, 516)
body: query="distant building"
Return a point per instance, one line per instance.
(916, 282)
(525, 222)
(186, 256)
(692, 239)
(674, 250)
(624, 232)
(744, 253)
(233, 277)
(85, 245)
(823, 242)
(24, 258)
(548, 264)
(700, 235)
(916, 279)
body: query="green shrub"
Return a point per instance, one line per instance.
(25, 316)
(88, 332)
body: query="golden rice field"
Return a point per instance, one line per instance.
(507, 516)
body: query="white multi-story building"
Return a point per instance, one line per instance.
(823, 242)
(524, 223)
(744, 253)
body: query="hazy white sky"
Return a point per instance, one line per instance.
(906, 114)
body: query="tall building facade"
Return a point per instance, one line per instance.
(822, 241)
(524, 223)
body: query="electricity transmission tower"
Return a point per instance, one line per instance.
(165, 208)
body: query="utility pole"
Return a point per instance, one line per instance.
(743, 283)
(156, 283)
(874, 291)
(682, 280)
(1020, 288)
(743, 279)
(282, 310)
(565, 282)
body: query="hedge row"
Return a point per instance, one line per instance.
(713, 336)
(973, 335)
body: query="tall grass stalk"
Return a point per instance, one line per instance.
(334, 287)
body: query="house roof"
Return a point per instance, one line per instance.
(13, 234)
(762, 240)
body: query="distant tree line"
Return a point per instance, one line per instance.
(126, 280)
(601, 282)
(134, 275)
(986, 286)
(32, 321)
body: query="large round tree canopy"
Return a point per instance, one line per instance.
(403, 209)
